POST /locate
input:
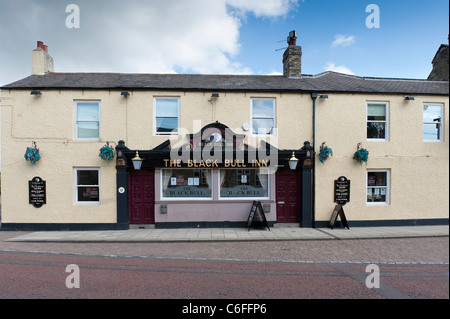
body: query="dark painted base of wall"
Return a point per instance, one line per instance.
(386, 223)
(62, 227)
(124, 226)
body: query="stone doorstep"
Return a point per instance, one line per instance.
(142, 226)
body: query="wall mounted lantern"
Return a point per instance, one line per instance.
(137, 162)
(36, 93)
(125, 93)
(409, 98)
(293, 162)
(307, 161)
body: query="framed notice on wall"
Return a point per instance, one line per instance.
(342, 191)
(37, 192)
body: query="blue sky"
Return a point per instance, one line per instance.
(223, 36)
(409, 35)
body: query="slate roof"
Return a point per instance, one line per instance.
(324, 82)
(337, 82)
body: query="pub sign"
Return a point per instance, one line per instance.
(342, 191)
(37, 192)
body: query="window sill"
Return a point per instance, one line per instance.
(87, 140)
(211, 201)
(168, 134)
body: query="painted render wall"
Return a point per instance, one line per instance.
(49, 120)
(419, 171)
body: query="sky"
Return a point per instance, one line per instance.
(223, 36)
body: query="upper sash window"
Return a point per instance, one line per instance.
(377, 121)
(167, 115)
(87, 120)
(432, 122)
(263, 116)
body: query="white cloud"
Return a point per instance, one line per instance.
(164, 37)
(141, 36)
(266, 8)
(331, 66)
(342, 40)
(274, 73)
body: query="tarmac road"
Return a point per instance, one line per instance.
(40, 276)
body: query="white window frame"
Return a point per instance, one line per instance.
(75, 170)
(388, 187)
(274, 116)
(386, 121)
(243, 198)
(162, 197)
(155, 131)
(441, 123)
(76, 121)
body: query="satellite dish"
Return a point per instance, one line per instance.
(215, 137)
(245, 127)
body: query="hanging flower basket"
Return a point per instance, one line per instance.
(32, 155)
(324, 153)
(361, 155)
(107, 153)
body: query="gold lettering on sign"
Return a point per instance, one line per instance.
(214, 164)
(234, 163)
(208, 163)
(191, 163)
(170, 163)
(260, 163)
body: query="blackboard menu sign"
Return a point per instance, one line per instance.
(342, 191)
(338, 211)
(257, 215)
(37, 192)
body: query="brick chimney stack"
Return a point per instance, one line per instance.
(292, 57)
(42, 62)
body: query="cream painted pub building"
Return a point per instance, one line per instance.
(210, 145)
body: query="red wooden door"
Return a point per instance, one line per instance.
(142, 197)
(288, 196)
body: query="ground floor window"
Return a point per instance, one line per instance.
(378, 186)
(198, 183)
(186, 183)
(87, 185)
(243, 183)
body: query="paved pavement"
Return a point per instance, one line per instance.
(230, 234)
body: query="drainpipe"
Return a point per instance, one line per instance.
(314, 98)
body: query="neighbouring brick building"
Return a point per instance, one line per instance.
(440, 63)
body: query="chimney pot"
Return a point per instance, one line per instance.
(292, 57)
(292, 38)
